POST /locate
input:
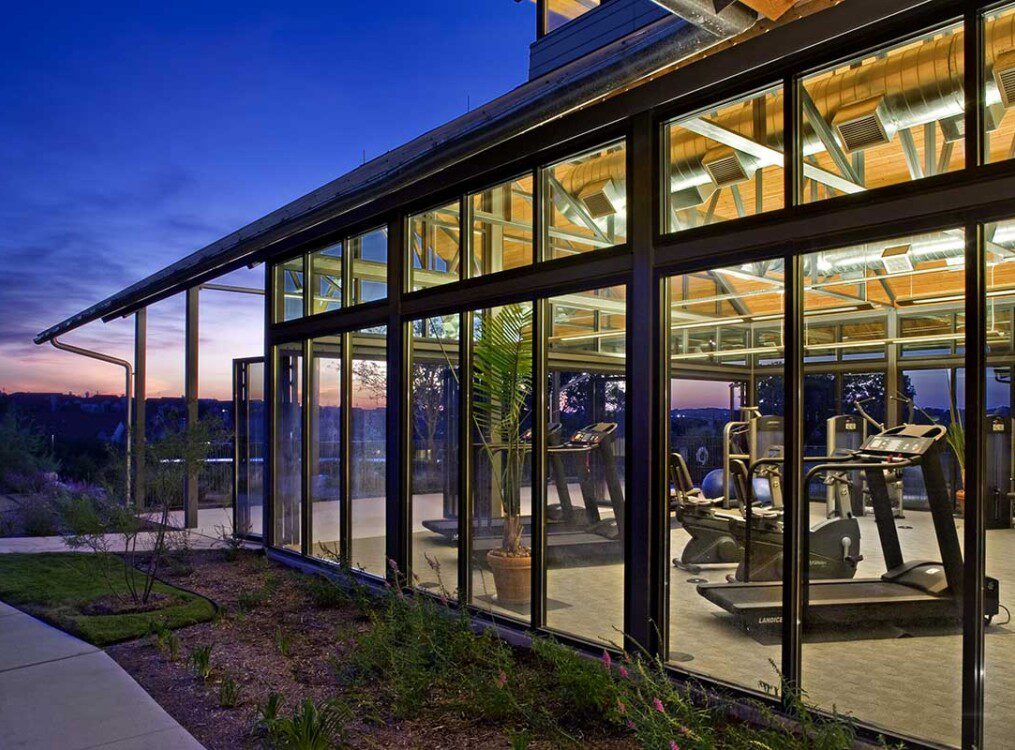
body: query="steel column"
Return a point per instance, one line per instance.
(191, 386)
(140, 396)
(396, 434)
(540, 418)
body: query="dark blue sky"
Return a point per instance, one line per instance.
(133, 135)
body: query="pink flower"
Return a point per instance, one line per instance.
(621, 708)
(658, 705)
(674, 745)
(623, 672)
(630, 724)
(607, 661)
(501, 679)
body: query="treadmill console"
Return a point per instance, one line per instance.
(908, 440)
(593, 434)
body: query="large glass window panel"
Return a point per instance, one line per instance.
(250, 450)
(891, 116)
(326, 271)
(999, 77)
(585, 492)
(585, 202)
(325, 449)
(559, 12)
(369, 256)
(289, 290)
(502, 227)
(288, 453)
(434, 422)
(725, 415)
(435, 245)
(724, 163)
(501, 481)
(369, 403)
(998, 487)
(870, 621)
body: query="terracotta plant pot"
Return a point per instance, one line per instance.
(512, 576)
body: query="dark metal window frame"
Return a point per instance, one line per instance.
(969, 197)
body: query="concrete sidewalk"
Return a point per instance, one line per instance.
(59, 692)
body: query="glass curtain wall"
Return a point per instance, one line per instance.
(368, 402)
(883, 612)
(586, 203)
(435, 245)
(434, 450)
(999, 77)
(369, 258)
(886, 117)
(501, 219)
(289, 289)
(501, 435)
(326, 279)
(998, 488)
(288, 452)
(726, 438)
(325, 469)
(250, 443)
(725, 162)
(585, 494)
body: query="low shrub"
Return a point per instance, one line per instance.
(200, 661)
(229, 692)
(311, 726)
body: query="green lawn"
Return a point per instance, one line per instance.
(54, 586)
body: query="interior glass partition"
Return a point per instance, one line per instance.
(585, 202)
(288, 449)
(325, 456)
(725, 421)
(289, 289)
(500, 559)
(326, 279)
(885, 117)
(725, 162)
(368, 401)
(435, 245)
(999, 480)
(586, 391)
(369, 258)
(501, 219)
(434, 450)
(883, 607)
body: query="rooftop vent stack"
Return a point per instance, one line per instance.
(727, 166)
(863, 124)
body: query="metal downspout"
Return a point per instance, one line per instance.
(127, 390)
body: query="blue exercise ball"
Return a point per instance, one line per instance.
(762, 491)
(711, 485)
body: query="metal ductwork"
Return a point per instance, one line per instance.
(730, 20)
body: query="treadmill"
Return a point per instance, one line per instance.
(908, 593)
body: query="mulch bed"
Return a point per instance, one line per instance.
(244, 646)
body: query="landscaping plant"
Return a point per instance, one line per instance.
(311, 726)
(200, 661)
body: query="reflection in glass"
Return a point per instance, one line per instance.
(288, 452)
(326, 272)
(435, 245)
(433, 410)
(289, 290)
(501, 559)
(585, 494)
(586, 202)
(250, 450)
(725, 163)
(369, 254)
(884, 118)
(325, 449)
(868, 524)
(725, 414)
(502, 227)
(559, 12)
(367, 451)
(999, 482)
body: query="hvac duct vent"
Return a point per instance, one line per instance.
(600, 198)
(863, 124)
(897, 260)
(1004, 76)
(726, 166)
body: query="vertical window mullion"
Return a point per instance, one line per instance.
(345, 494)
(465, 457)
(306, 448)
(540, 322)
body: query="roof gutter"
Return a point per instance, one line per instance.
(622, 63)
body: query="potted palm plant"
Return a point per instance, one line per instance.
(956, 438)
(502, 385)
